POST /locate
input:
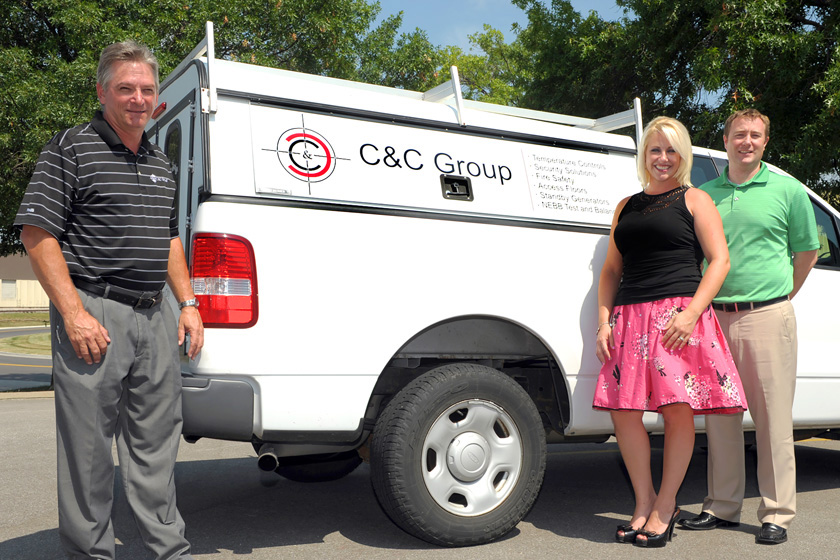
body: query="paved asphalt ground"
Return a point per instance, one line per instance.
(233, 512)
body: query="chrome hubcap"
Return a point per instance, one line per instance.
(472, 457)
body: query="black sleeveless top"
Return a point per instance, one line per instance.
(661, 253)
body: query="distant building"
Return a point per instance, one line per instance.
(19, 288)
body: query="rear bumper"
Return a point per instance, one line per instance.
(217, 408)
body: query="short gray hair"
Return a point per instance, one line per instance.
(127, 51)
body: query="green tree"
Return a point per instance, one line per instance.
(698, 60)
(49, 51)
(784, 59)
(496, 73)
(413, 64)
(579, 66)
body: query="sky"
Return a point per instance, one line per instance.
(450, 22)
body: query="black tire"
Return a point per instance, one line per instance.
(318, 468)
(458, 456)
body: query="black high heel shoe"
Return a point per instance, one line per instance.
(657, 540)
(626, 534)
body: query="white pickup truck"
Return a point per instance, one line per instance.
(413, 275)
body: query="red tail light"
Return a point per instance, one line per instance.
(224, 279)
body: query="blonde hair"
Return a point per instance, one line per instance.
(676, 133)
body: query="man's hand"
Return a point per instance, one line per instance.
(190, 324)
(178, 278)
(803, 262)
(89, 338)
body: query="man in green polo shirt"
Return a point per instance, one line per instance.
(771, 233)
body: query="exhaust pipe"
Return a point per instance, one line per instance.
(267, 460)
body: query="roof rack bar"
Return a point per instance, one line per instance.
(439, 93)
(529, 114)
(459, 98)
(448, 90)
(205, 47)
(615, 121)
(211, 64)
(637, 107)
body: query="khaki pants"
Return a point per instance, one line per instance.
(763, 345)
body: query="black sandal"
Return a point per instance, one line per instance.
(658, 540)
(626, 534)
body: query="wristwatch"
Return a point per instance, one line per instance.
(188, 303)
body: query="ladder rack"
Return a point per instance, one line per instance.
(444, 93)
(452, 90)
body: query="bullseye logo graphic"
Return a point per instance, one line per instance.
(306, 155)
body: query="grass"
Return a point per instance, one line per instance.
(38, 344)
(27, 344)
(25, 319)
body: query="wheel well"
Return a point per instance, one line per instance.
(498, 343)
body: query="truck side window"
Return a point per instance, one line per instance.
(703, 170)
(721, 164)
(829, 252)
(172, 149)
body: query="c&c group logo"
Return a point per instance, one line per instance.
(306, 155)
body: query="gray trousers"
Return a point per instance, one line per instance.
(134, 393)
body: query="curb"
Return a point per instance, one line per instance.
(26, 395)
(32, 356)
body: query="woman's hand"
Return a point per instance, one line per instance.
(603, 342)
(678, 330)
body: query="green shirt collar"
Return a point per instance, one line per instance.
(758, 180)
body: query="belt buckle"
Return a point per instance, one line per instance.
(146, 301)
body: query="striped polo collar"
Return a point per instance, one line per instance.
(110, 136)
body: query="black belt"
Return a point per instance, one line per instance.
(137, 300)
(747, 305)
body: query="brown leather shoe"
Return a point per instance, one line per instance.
(706, 521)
(770, 533)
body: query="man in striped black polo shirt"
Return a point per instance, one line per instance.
(99, 223)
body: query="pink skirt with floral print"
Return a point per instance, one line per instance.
(643, 375)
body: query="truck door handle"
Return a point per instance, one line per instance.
(455, 187)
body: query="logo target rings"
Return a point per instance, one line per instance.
(306, 155)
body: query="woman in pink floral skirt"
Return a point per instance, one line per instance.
(658, 339)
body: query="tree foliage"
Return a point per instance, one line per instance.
(49, 50)
(698, 60)
(496, 73)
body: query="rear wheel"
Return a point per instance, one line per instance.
(458, 456)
